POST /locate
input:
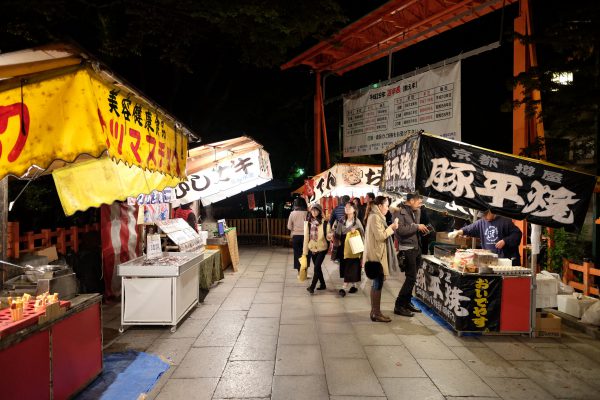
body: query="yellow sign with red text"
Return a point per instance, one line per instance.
(78, 113)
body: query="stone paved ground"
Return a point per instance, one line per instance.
(259, 334)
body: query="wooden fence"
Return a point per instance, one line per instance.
(588, 287)
(254, 230)
(29, 242)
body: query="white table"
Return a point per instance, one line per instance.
(161, 293)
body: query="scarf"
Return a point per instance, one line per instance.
(314, 230)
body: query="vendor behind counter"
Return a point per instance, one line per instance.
(497, 234)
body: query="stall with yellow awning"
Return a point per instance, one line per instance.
(100, 138)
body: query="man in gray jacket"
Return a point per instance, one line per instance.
(409, 217)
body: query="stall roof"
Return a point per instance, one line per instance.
(17, 65)
(206, 155)
(394, 26)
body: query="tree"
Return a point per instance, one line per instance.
(568, 42)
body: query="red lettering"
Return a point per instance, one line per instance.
(151, 157)
(135, 147)
(161, 152)
(6, 112)
(116, 133)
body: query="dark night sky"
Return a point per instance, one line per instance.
(220, 95)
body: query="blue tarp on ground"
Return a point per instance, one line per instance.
(125, 376)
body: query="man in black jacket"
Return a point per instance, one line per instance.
(409, 216)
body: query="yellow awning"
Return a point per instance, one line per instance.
(95, 182)
(49, 117)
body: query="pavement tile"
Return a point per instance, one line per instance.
(450, 339)
(253, 347)
(410, 389)
(203, 311)
(270, 287)
(297, 315)
(340, 325)
(239, 299)
(393, 362)
(298, 334)
(454, 378)
(339, 345)
(556, 380)
(517, 389)
(487, 363)
(376, 335)
(248, 282)
(512, 350)
(427, 347)
(190, 328)
(265, 311)
(221, 331)
(268, 298)
(313, 387)
(261, 326)
(172, 350)
(203, 362)
(351, 377)
(199, 388)
(244, 379)
(299, 360)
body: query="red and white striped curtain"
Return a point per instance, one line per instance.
(120, 243)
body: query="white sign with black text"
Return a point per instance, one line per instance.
(378, 118)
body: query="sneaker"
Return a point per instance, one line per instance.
(342, 292)
(310, 290)
(353, 289)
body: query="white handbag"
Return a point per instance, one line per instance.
(356, 244)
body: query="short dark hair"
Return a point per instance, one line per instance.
(414, 195)
(345, 199)
(379, 200)
(371, 195)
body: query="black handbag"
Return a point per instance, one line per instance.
(373, 269)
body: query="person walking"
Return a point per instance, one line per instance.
(369, 198)
(349, 262)
(408, 216)
(316, 245)
(376, 249)
(338, 212)
(296, 226)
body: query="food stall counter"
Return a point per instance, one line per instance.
(488, 303)
(159, 291)
(55, 359)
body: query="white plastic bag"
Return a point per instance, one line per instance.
(592, 315)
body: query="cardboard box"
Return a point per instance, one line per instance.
(462, 241)
(546, 292)
(49, 252)
(547, 325)
(570, 304)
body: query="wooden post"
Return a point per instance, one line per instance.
(525, 128)
(317, 123)
(4, 218)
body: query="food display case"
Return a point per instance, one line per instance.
(159, 291)
(474, 291)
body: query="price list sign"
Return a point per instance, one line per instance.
(376, 119)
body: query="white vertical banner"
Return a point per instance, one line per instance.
(379, 117)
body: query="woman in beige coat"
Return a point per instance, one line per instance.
(376, 236)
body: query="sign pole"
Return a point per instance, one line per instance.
(267, 219)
